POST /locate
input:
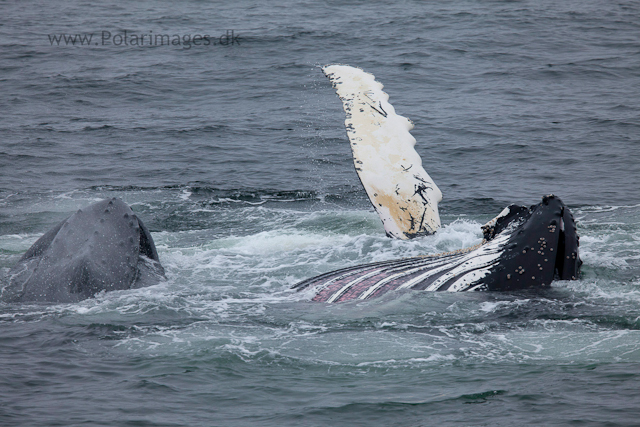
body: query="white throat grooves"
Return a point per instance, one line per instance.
(401, 191)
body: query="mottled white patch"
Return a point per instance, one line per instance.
(493, 222)
(401, 191)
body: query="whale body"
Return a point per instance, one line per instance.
(106, 247)
(523, 248)
(103, 247)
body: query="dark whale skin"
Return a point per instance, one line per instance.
(542, 247)
(103, 247)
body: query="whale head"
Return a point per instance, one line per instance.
(102, 247)
(542, 245)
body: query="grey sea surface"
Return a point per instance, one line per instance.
(235, 156)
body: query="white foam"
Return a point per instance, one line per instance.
(185, 194)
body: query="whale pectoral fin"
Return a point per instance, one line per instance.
(402, 193)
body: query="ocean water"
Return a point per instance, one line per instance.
(236, 157)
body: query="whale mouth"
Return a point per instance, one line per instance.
(568, 262)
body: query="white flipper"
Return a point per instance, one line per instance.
(390, 169)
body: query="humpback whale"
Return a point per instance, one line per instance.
(102, 247)
(523, 247)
